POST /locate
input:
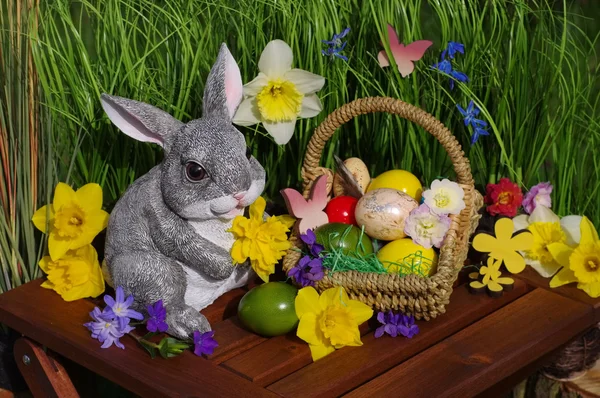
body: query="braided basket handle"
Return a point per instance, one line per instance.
(311, 170)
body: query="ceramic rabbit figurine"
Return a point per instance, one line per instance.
(166, 238)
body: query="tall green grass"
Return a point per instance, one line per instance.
(532, 66)
(23, 150)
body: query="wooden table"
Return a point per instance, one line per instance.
(481, 346)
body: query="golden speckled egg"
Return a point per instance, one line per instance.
(383, 212)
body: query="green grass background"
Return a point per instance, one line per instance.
(532, 65)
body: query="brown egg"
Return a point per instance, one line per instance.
(383, 212)
(359, 171)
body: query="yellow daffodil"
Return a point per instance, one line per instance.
(264, 242)
(279, 94)
(547, 228)
(75, 275)
(580, 264)
(504, 246)
(329, 321)
(73, 219)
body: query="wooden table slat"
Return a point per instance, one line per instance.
(224, 307)
(571, 291)
(486, 352)
(43, 316)
(350, 367)
(233, 339)
(275, 358)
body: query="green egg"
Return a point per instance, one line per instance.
(269, 309)
(349, 238)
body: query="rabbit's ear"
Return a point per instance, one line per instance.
(140, 121)
(223, 92)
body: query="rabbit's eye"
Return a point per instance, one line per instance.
(248, 153)
(194, 172)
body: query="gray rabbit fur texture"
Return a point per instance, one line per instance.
(166, 237)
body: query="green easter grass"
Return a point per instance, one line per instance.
(339, 260)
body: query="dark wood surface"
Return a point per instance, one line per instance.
(486, 352)
(43, 316)
(478, 344)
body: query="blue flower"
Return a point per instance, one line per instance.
(478, 132)
(336, 46)
(336, 41)
(470, 118)
(444, 66)
(158, 315)
(119, 308)
(452, 49)
(470, 114)
(460, 76)
(106, 328)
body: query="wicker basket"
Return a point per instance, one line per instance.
(423, 297)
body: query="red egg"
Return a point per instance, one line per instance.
(341, 209)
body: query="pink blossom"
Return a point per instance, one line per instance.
(426, 228)
(538, 195)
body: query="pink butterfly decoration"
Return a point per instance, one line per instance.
(403, 55)
(309, 212)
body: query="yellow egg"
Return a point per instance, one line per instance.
(406, 257)
(401, 180)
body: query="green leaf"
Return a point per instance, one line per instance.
(151, 350)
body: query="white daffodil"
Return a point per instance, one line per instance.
(279, 94)
(547, 228)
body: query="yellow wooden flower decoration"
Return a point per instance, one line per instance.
(504, 247)
(490, 277)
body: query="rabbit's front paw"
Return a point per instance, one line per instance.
(220, 269)
(183, 321)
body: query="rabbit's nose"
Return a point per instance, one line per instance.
(239, 196)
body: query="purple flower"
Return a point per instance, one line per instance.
(106, 328)
(308, 271)
(407, 327)
(310, 239)
(389, 323)
(395, 325)
(336, 46)
(452, 49)
(119, 308)
(157, 314)
(538, 195)
(204, 343)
